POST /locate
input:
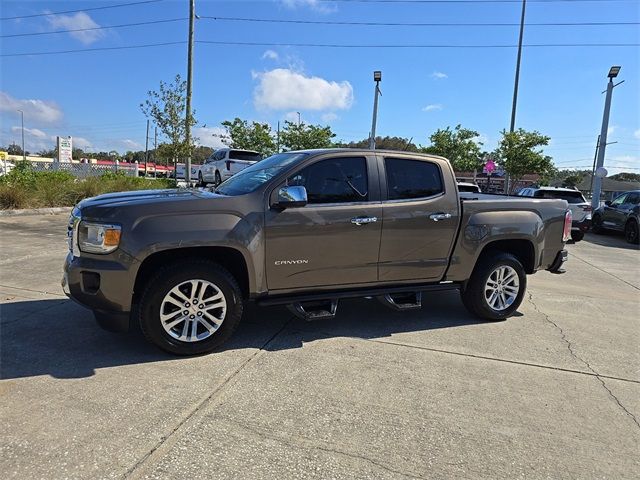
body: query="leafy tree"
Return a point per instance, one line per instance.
(13, 149)
(255, 136)
(166, 107)
(626, 177)
(200, 154)
(383, 143)
(519, 153)
(572, 180)
(460, 146)
(52, 153)
(301, 136)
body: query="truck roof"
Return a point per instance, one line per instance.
(366, 151)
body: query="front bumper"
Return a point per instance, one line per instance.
(558, 262)
(582, 226)
(102, 285)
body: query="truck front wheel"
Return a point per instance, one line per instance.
(496, 287)
(190, 307)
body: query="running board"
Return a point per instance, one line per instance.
(402, 301)
(310, 311)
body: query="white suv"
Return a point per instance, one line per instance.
(224, 163)
(580, 209)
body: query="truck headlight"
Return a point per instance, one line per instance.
(98, 237)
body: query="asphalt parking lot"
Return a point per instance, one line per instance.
(553, 392)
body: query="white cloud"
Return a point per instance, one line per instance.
(329, 117)
(439, 75)
(316, 5)
(612, 129)
(283, 89)
(270, 55)
(34, 110)
(77, 21)
(636, 134)
(621, 162)
(129, 144)
(210, 136)
(80, 142)
(292, 117)
(432, 107)
(34, 132)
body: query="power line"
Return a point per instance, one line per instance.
(321, 45)
(393, 24)
(468, 1)
(126, 47)
(105, 7)
(151, 22)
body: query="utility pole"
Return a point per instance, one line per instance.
(298, 118)
(187, 168)
(377, 77)
(155, 151)
(24, 153)
(593, 169)
(516, 83)
(146, 149)
(602, 144)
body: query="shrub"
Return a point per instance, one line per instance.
(12, 196)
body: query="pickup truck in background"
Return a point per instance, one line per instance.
(224, 163)
(305, 229)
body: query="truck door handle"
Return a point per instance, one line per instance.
(363, 220)
(439, 216)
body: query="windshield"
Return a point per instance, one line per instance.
(250, 179)
(570, 197)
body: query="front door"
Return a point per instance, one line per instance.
(420, 216)
(334, 239)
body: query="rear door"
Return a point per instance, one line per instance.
(334, 239)
(613, 216)
(420, 212)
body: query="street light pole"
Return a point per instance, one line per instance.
(24, 153)
(602, 145)
(516, 83)
(377, 77)
(187, 169)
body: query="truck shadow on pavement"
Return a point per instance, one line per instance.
(61, 339)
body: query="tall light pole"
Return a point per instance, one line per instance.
(298, 118)
(24, 153)
(516, 83)
(187, 167)
(602, 146)
(377, 77)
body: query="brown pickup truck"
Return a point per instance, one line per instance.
(305, 229)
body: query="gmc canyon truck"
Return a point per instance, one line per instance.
(305, 229)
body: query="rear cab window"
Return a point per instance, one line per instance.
(570, 197)
(412, 179)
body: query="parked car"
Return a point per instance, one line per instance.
(580, 208)
(179, 173)
(622, 215)
(468, 187)
(305, 229)
(224, 163)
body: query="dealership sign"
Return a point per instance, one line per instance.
(65, 149)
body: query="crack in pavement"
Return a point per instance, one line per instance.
(168, 440)
(307, 443)
(34, 291)
(580, 359)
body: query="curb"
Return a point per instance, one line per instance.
(35, 211)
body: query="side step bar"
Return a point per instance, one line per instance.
(402, 301)
(310, 311)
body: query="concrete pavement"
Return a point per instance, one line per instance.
(552, 392)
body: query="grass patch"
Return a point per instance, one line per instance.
(25, 188)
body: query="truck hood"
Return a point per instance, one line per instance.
(140, 197)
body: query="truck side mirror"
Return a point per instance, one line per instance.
(291, 197)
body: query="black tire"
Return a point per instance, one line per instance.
(473, 296)
(631, 232)
(218, 178)
(577, 236)
(172, 275)
(596, 224)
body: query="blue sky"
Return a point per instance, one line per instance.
(94, 96)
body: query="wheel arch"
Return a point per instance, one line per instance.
(522, 249)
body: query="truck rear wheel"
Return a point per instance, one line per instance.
(190, 307)
(496, 287)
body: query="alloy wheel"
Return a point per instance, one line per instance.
(501, 288)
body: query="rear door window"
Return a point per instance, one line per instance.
(408, 178)
(570, 197)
